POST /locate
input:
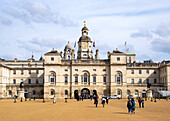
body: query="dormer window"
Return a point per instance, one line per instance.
(68, 57)
(68, 51)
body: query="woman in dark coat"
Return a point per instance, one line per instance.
(129, 106)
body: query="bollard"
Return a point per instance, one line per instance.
(151, 100)
(29, 99)
(145, 99)
(43, 100)
(25, 99)
(34, 98)
(15, 100)
(155, 100)
(65, 100)
(21, 99)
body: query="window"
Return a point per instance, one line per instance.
(155, 81)
(118, 77)
(129, 59)
(66, 92)
(85, 77)
(37, 81)
(68, 57)
(81, 78)
(154, 71)
(22, 72)
(66, 69)
(94, 79)
(10, 92)
(136, 92)
(14, 71)
(128, 92)
(21, 80)
(118, 58)
(14, 81)
(29, 81)
(132, 81)
(84, 55)
(29, 71)
(37, 71)
(94, 69)
(140, 81)
(76, 69)
(104, 69)
(76, 79)
(52, 92)
(52, 77)
(34, 92)
(140, 71)
(52, 58)
(104, 79)
(147, 81)
(118, 92)
(104, 92)
(132, 71)
(66, 79)
(147, 71)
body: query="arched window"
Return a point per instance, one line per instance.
(85, 77)
(128, 92)
(10, 93)
(104, 92)
(136, 92)
(118, 92)
(52, 92)
(52, 77)
(66, 92)
(119, 77)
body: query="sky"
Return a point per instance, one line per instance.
(36, 26)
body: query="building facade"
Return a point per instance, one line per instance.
(67, 76)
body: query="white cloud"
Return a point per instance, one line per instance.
(5, 20)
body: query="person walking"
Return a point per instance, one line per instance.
(107, 99)
(139, 101)
(96, 100)
(133, 105)
(142, 103)
(129, 106)
(103, 101)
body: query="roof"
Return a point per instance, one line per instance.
(68, 46)
(84, 28)
(130, 53)
(84, 38)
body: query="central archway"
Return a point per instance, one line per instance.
(85, 92)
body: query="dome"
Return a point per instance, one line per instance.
(68, 46)
(84, 28)
(84, 38)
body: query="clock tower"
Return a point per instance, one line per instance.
(85, 45)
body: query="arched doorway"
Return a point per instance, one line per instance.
(75, 94)
(94, 92)
(143, 93)
(85, 92)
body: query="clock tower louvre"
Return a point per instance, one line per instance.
(85, 45)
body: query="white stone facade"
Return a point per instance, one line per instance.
(64, 75)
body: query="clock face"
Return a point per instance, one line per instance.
(84, 45)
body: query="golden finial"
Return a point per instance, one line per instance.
(84, 23)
